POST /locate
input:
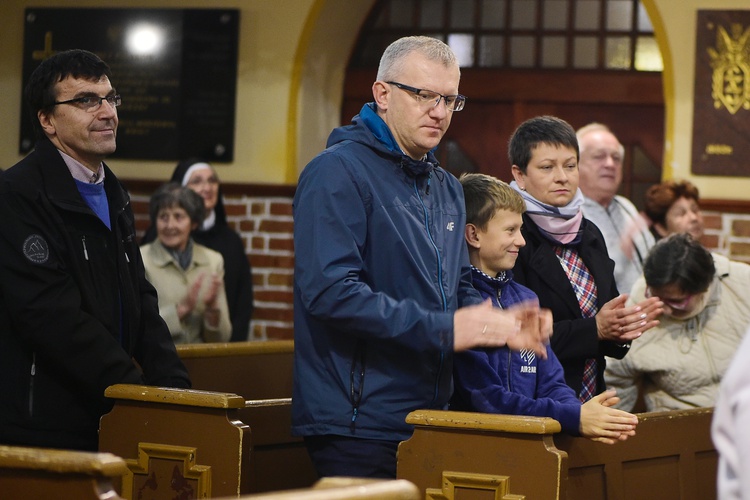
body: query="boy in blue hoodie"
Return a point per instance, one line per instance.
(499, 380)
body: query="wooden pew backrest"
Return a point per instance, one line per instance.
(176, 440)
(27, 473)
(453, 453)
(670, 457)
(253, 370)
(247, 444)
(261, 372)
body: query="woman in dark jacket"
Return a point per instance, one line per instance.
(216, 234)
(565, 259)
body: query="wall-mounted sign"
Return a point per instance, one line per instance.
(721, 120)
(176, 70)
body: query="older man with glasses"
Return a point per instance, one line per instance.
(382, 292)
(76, 312)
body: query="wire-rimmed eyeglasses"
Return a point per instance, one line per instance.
(423, 96)
(92, 102)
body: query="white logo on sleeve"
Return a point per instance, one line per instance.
(36, 249)
(450, 226)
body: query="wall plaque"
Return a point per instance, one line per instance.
(721, 122)
(176, 70)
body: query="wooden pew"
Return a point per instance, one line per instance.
(39, 473)
(253, 370)
(339, 488)
(163, 432)
(186, 442)
(452, 454)
(261, 372)
(671, 457)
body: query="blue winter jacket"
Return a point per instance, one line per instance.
(513, 382)
(380, 267)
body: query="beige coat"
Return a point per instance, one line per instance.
(172, 284)
(680, 363)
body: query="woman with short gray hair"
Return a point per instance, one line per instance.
(188, 277)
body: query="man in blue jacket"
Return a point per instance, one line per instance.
(382, 293)
(76, 312)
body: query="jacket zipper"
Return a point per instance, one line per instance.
(31, 384)
(440, 284)
(355, 397)
(85, 250)
(510, 368)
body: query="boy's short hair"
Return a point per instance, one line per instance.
(539, 130)
(485, 195)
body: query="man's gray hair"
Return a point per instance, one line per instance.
(391, 63)
(596, 127)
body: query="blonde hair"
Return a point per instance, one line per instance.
(485, 195)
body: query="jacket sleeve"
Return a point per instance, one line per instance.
(155, 350)
(330, 233)
(479, 384)
(622, 376)
(223, 331)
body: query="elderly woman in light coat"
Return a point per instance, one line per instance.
(679, 364)
(188, 277)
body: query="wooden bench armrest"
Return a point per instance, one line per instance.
(673, 415)
(484, 421)
(186, 397)
(62, 461)
(218, 349)
(337, 488)
(254, 403)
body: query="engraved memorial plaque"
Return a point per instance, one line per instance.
(176, 70)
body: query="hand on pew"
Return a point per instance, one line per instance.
(600, 422)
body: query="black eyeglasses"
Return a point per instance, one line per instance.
(92, 102)
(425, 97)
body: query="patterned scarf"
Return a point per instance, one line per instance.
(561, 225)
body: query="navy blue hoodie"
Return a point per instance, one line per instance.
(513, 382)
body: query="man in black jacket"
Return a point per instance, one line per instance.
(76, 312)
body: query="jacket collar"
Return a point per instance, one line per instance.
(379, 129)
(60, 185)
(544, 262)
(162, 258)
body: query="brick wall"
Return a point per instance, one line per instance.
(728, 234)
(265, 223)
